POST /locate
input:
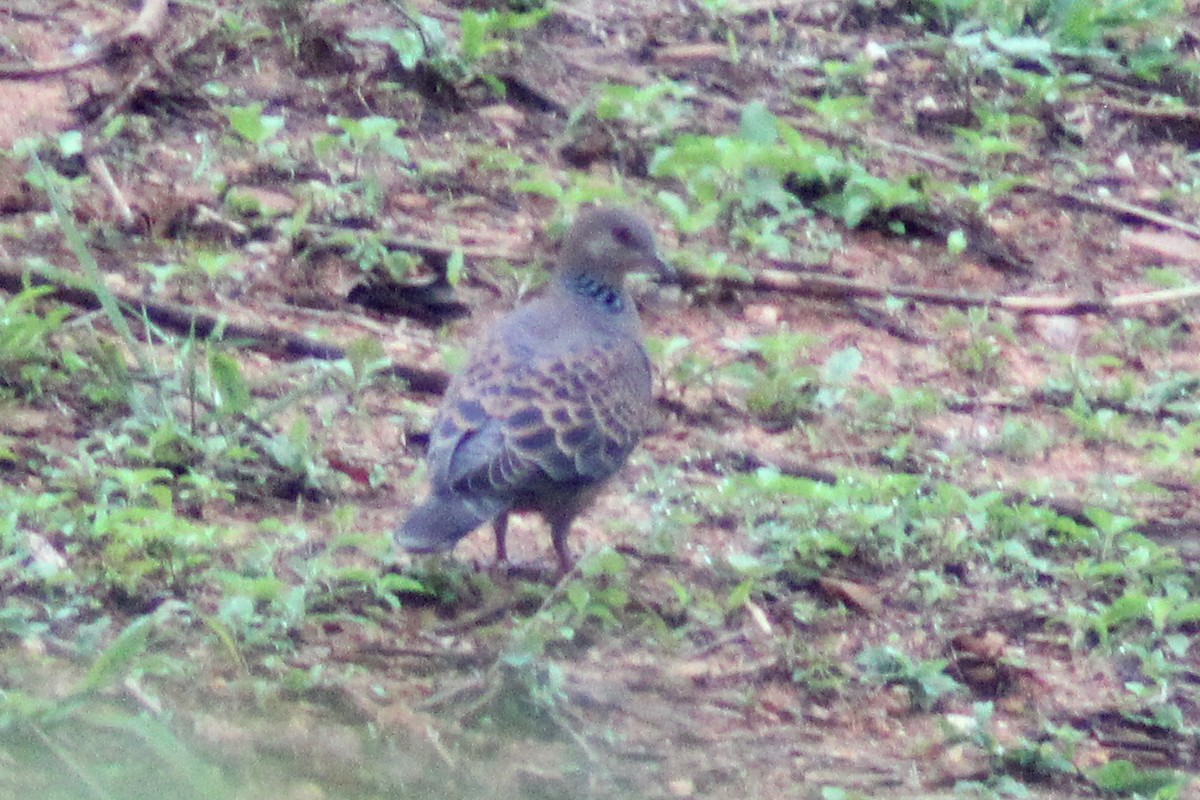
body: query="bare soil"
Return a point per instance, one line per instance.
(706, 711)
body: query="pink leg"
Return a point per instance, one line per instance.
(500, 526)
(559, 529)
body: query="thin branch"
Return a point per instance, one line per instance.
(185, 320)
(434, 253)
(146, 27)
(813, 284)
(98, 168)
(1110, 205)
(281, 343)
(1119, 207)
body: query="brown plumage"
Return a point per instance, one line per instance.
(554, 398)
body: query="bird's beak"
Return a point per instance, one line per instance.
(666, 273)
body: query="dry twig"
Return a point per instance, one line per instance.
(202, 324)
(813, 284)
(145, 28)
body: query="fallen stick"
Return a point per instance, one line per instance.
(813, 284)
(186, 320)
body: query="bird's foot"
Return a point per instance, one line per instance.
(535, 571)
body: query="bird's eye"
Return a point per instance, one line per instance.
(624, 236)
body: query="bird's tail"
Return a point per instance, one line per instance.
(439, 522)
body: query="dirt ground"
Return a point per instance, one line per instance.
(711, 711)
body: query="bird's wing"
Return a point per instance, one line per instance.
(511, 425)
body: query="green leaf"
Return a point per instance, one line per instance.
(1186, 613)
(455, 267)
(544, 187)
(758, 124)
(605, 562)
(956, 242)
(1124, 777)
(744, 563)
(682, 594)
(842, 366)
(403, 584)
(119, 657)
(232, 393)
(365, 354)
(740, 594)
(251, 124)
(473, 27)
(407, 44)
(578, 596)
(70, 143)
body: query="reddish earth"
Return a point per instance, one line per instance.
(705, 711)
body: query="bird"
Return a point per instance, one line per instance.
(553, 399)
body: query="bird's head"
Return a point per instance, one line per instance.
(606, 243)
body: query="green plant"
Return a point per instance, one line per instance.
(359, 152)
(900, 409)
(596, 598)
(981, 356)
(836, 375)
(845, 83)
(652, 112)
(1021, 439)
(53, 741)
(483, 37)
(1096, 425)
(803, 525)
(1015, 763)
(1138, 342)
(526, 688)
(1125, 778)
(201, 267)
(927, 681)
(998, 136)
(258, 129)
(767, 167)
(363, 138)
(576, 190)
(750, 166)
(678, 359)
(483, 34)
(1069, 27)
(27, 354)
(1174, 445)
(821, 673)
(839, 793)
(779, 389)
